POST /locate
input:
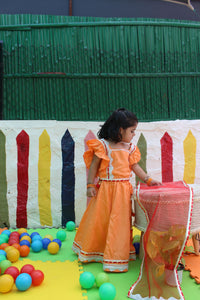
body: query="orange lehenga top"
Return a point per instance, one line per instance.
(104, 233)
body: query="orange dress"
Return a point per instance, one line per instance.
(104, 233)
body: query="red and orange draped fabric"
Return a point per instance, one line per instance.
(168, 211)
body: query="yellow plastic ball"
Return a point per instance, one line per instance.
(21, 230)
(48, 236)
(53, 247)
(26, 238)
(8, 248)
(13, 255)
(6, 283)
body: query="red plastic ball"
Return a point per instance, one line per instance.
(37, 277)
(27, 269)
(13, 271)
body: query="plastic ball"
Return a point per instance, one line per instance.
(2, 257)
(28, 268)
(13, 271)
(24, 242)
(8, 248)
(37, 277)
(101, 278)
(21, 230)
(36, 238)
(87, 280)
(2, 252)
(13, 255)
(16, 246)
(6, 231)
(1, 240)
(24, 251)
(4, 237)
(61, 235)
(48, 236)
(107, 291)
(4, 265)
(33, 234)
(6, 283)
(3, 246)
(15, 233)
(46, 242)
(70, 225)
(58, 242)
(23, 281)
(24, 234)
(26, 238)
(37, 246)
(53, 248)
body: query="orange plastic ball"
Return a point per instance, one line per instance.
(24, 251)
(3, 246)
(6, 283)
(16, 246)
(53, 247)
(13, 255)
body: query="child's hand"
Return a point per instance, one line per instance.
(154, 182)
(91, 192)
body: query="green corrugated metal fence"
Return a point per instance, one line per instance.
(76, 68)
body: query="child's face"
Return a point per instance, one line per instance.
(128, 133)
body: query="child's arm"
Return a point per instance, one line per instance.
(143, 176)
(91, 190)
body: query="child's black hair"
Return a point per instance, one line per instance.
(120, 118)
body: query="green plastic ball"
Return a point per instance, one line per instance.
(2, 257)
(61, 235)
(4, 264)
(70, 226)
(107, 291)
(87, 280)
(101, 278)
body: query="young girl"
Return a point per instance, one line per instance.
(104, 234)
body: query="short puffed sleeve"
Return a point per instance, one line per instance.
(96, 147)
(135, 155)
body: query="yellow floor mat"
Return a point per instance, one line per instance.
(61, 282)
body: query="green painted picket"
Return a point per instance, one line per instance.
(81, 68)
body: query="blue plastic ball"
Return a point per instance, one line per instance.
(25, 242)
(23, 282)
(58, 242)
(2, 252)
(33, 234)
(46, 242)
(24, 234)
(107, 291)
(37, 246)
(36, 237)
(87, 280)
(6, 231)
